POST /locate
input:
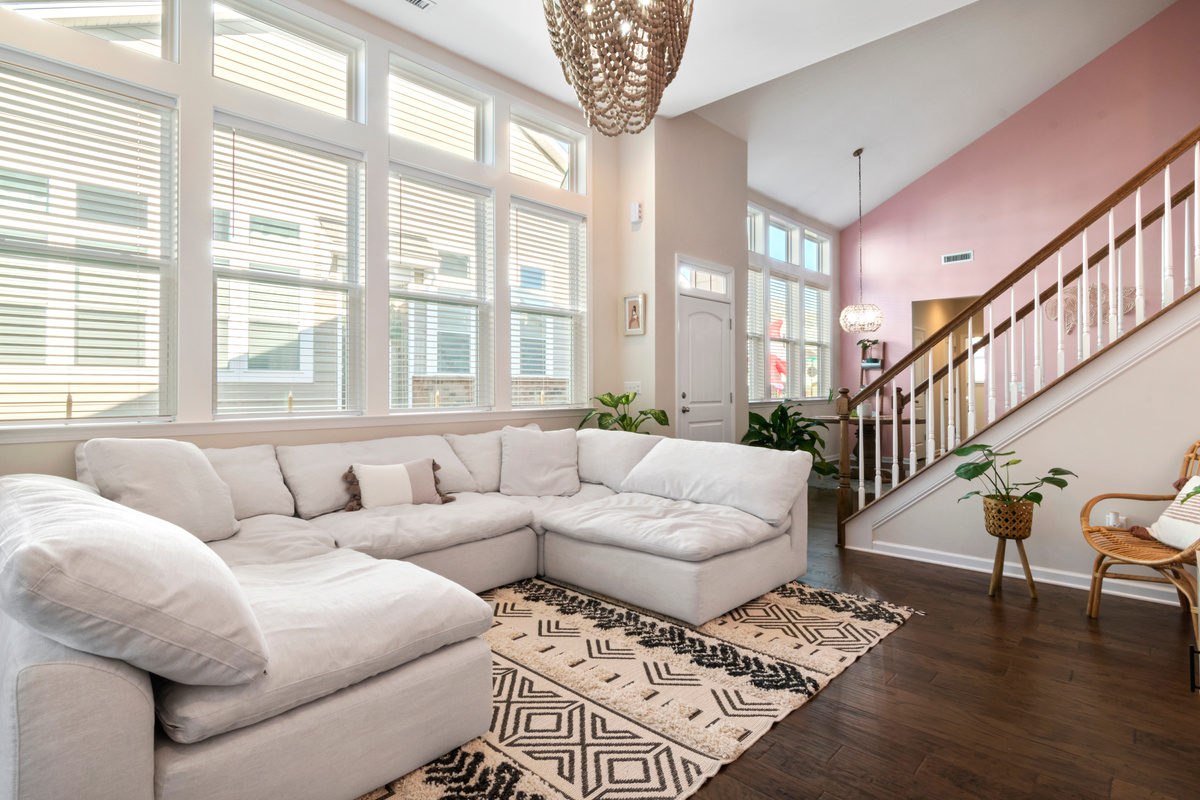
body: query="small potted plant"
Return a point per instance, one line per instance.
(622, 419)
(869, 362)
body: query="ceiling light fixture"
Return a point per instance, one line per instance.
(861, 317)
(619, 56)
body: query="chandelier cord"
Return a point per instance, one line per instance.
(860, 262)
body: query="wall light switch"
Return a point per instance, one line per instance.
(635, 213)
(633, 386)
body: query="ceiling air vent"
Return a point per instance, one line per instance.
(423, 5)
(958, 258)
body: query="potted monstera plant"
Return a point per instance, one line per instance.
(1007, 504)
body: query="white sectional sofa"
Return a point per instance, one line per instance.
(318, 652)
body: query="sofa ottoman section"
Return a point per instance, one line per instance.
(329, 622)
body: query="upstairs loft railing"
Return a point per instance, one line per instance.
(995, 355)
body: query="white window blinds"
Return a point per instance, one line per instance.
(287, 261)
(817, 339)
(440, 113)
(548, 291)
(86, 243)
(136, 24)
(312, 65)
(440, 254)
(785, 334)
(755, 357)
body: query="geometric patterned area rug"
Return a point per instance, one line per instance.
(595, 699)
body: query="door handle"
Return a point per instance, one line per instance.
(685, 409)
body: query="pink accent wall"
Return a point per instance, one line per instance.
(1022, 183)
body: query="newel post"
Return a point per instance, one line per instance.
(844, 503)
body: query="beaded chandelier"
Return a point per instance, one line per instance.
(860, 317)
(619, 56)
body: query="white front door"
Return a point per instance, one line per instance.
(704, 370)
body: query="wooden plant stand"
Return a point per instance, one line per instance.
(1008, 521)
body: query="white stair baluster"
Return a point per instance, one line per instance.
(1062, 354)
(930, 415)
(1024, 388)
(1139, 283)
(951, 427)
(1038, 375)
(971, 376)
(897, 459)
(1168, 248)
(1120, 310)
(878, 445)
(912, 415)
(1083, 345)
(1115, 297)
(1187, 244)
(943, 443)
(1012, 349)
(1195, 221)
(989, 364)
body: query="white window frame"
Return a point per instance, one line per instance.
(805, 276)
(434, 81)
(577, 177)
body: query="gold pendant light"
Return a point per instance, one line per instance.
(860, 317)
(619, 56)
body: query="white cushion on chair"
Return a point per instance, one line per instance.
(1179, 525)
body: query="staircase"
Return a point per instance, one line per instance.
(1042, 323)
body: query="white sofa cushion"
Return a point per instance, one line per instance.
(331, 622)
(273, 539)
(314, 471)
(254, 480)
(402, 531)
(538, 463)
(607, 456)
(761, 482)
(165, 478)
(678, 529)
(481, 454)
(105, 579)
(540, 506)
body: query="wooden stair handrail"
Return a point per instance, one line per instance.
(1002, 327)
(1055, 244)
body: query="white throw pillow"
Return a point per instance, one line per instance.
(1179, 525)
(413, 483)
(539, 463)
(756, 480)
(480, 452)
(254, 480)
(164, 478)
(105, 579)
(607, 456)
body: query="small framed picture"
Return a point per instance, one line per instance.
(635, 315)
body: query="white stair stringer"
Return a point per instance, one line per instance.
(1122, 422)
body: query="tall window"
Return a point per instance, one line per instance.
(434, 110)
(86, 239)
(440, 251)
(788, 332)
(544, 152)
(136, 24)
(287, 259)
(548, 280)
(308, 63)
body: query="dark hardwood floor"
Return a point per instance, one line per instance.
(984, 697)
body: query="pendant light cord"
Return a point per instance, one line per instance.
(858, 155)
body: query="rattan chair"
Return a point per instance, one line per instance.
(1117, 546)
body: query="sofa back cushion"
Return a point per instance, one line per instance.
(607, 456)
(314, 471)
(254, 480)
(105, 579)
(164, 478)
(539, 463)
(761, 482)
(480, 452)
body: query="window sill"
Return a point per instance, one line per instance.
(399, 420)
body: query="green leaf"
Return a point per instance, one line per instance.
(591, 413)
(606, 420)
(1061, 471)
(1190, 495)
(824, 468)
(658, 415)
(1059, 482)
(757, 420)
(972, 449)
(971, 471)
(1035, 497)
(969, 494)
(1011, 463)
(627, 398)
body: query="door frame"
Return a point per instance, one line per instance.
(682, 260)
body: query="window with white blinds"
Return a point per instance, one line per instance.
(287, 263)
(817, 342)
(308, 63)
(786, 342)
(548, 292)
(440, 256)
(436, 111)
(543, 152)
(136, 24)
(755, 356)
(86, 244)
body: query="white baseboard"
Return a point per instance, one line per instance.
(1136, 590)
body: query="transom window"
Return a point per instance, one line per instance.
(437, 111)
(544, 152)
(136, 24)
